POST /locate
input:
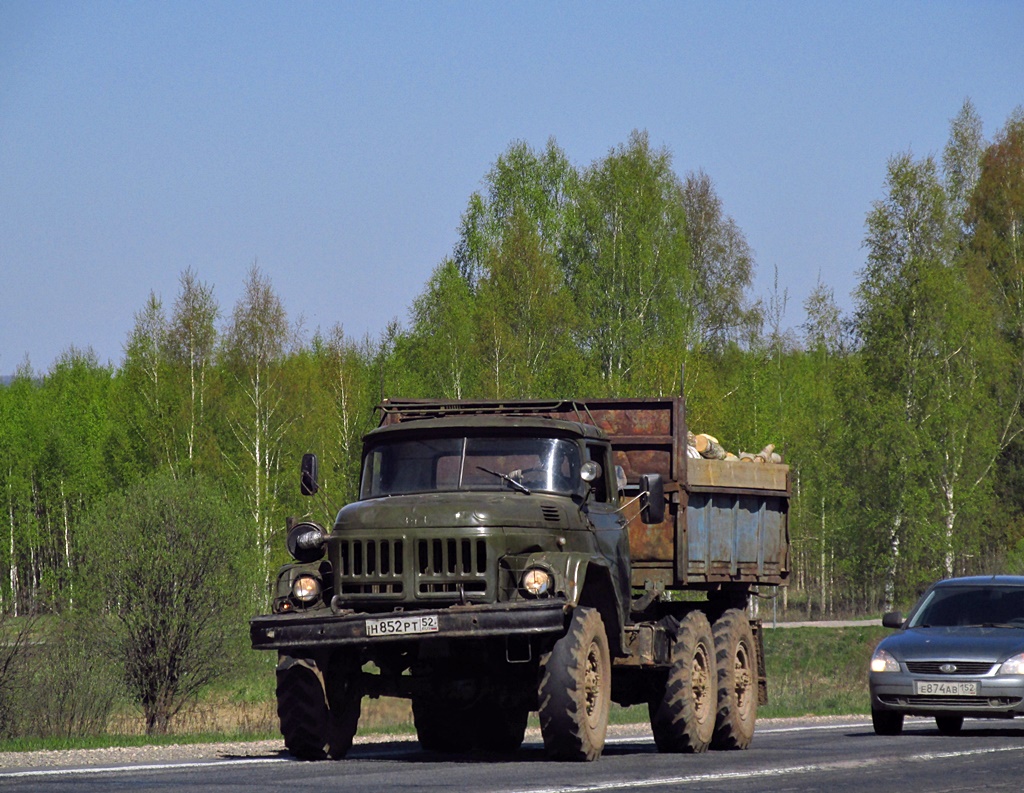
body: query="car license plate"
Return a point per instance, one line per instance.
(942, 688)
(399, 626)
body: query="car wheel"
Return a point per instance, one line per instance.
(887, 722)
(949, 725)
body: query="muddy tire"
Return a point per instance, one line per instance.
(575, 690)
(311, 731)
(683, 716)
(444, 727)
(736, 662)
(886, 722)
(501, 728)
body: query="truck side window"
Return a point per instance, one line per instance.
(600, 485)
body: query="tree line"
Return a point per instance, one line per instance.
(901, 420)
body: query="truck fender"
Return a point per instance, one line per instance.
(582, 581)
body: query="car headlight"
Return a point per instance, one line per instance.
(1014, 665)
(306, 588)
(883, 661)
(536, 582)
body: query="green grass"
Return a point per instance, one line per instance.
(811, 672)
(818, 671)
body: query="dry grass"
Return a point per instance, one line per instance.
(217, 715)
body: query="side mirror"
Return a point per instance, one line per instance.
(309, 482)
(892, 619)
(652, 489)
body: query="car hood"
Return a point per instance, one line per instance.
(961, 644)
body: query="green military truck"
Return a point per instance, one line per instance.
(511, 557)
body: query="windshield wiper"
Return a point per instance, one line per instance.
(516, 485)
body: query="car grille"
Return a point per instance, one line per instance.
(962, 667)
(447, 568)
(953, 703)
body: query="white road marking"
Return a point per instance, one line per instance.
(120, 769)
(760, 773)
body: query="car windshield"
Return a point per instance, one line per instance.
(433, 464)
(962, 606)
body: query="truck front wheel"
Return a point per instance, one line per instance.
(312, 730)
(683, 716)
(575, 690)
(736, 660)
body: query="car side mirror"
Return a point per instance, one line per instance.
(892, 619)
(652, 491)
(309, 479)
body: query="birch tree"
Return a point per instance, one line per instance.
(628, 262)
(191, 338)
(253, 352)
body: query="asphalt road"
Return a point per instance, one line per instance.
(838, 756)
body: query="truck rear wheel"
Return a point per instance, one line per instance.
(575, 690)
(442, 726)
(502, 727)
(736, 661)
(683, 716)
(311, 730)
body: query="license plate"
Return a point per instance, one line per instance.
(942, 688)
(399, 626)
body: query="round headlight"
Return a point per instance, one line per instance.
(306, 588)
(536, 581)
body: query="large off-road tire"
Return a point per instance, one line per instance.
(344, 704)
(442, 726)
(575, 690)
(736, 662)
(683, 715)
(501, 728)
(311, 731)
(448, 727)
(886, 722)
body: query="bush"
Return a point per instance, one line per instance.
(69, 690)
(162, 567)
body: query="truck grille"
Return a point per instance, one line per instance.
(451, 566)
(445, 569)
(371, 567)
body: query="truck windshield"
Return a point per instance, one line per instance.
(434, 464)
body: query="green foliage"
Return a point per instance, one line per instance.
(818, 671)
(162, 579)
(68, 690)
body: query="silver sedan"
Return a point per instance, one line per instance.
(959, 654)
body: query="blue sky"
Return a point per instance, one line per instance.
(336, 144)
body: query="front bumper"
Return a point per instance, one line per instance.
(298, 629)
(997, 697)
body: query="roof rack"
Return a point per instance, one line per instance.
(395, 410)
